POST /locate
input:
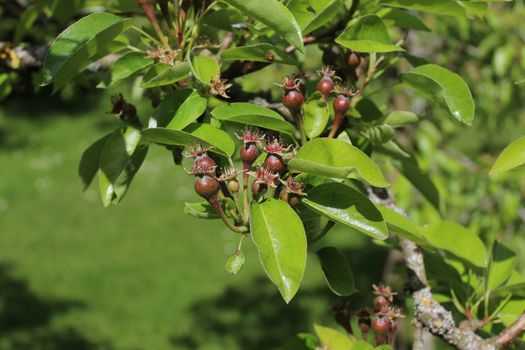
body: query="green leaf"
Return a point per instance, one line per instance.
(262, 52)
(394, 17)
(279, 236)
(337, 272)
(402, 226)
(235, 263)
(347, 206)
(444, 88)
(512, 311)
(337, 159)
(90, 161)
(313, 14)
(421, 180)
(332, 339)
(401, 118)
(367, 34)
(162, 74)
(214, 136)
(200, 210)
(515, 285)
(501, 264)
(121, 158)
(275, 15)
(191, 109)
(362, 345)
(441, 7)
(125, 67)
(168, 108)
(367, 111)
(512, 156)
(250, 114)
(378, 134)
(204, 68)
(458, 241)
(316, 115)
(204, 134)
(79, 45)
(223, 18)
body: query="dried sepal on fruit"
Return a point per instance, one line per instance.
(220, 86)
(265, 176)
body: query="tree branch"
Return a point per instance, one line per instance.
(429, 312)
(509, 334)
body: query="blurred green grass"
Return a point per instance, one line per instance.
(141, 275)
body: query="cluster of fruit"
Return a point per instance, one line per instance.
(384, 320)
(270, 173)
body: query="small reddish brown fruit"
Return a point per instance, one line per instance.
(204, 162)
(206, 186)
(249, 153)
(275, 164)
(380, 303)
(325, 86)
(380, 325)
(258, 189)
(341, 104)
(293, 100)
(353, 59)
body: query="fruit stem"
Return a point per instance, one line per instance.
(246, 203)
(337, 123)
(379, 340)
(271, 192)
(218, 209)
(149, 10)
(300, 125)
(389, 338)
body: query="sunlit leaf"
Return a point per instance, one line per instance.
(441, 7)
(273, 14)
(332, 339)
(313, 14)
(251, 114)
(79, 45)
(204, 68)
(125, 67)
(162, 74)
(316, 115)
(402, 19)
(281, 241)
(512, 156)
(444, 88)
(208, 136)
(458, 241)
(402, 226)
(337, 159)
(347, 206)
(367, 34)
